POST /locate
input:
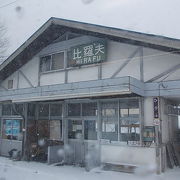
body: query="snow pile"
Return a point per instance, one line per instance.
(19, 170)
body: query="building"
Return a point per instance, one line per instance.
(96, 89)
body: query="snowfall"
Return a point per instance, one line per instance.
(22, 170)
(23, 17)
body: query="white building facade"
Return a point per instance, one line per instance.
(91, 88)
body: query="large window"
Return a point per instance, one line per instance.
(12, 109)
(49, 124)
(83, 121)
(12, 129)
(110, 120)
(129, 120)
(120, 120)
(52, 62)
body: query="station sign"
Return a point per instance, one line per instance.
(156, 111)
(91, 53)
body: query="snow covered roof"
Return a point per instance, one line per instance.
(55, 27)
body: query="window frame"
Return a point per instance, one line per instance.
(50, 118)
(2, 127)
(51, 55)
(10, 84)
(118, 101)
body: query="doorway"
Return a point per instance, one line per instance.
(82, 128)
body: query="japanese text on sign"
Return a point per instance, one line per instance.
(89, 53)
(156, 107)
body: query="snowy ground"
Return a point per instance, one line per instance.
(32, 170)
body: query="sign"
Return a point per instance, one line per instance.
(156, 122)
(88, 54)
(148, 133)
(156, 111)
(12, 127)
(156, 107)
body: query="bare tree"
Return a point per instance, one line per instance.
(3, 41)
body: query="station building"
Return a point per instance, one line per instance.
(97, 89)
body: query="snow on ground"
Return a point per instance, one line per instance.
(21, 170)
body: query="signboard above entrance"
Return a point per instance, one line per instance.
(91, 53)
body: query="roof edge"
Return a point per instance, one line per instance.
(116, 32)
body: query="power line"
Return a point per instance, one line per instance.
(5, 5)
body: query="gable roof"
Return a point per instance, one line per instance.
(55, 27)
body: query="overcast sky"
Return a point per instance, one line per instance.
(23, 17)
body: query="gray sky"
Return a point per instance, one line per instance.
(24, 17)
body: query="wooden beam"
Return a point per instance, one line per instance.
(126, 62)
(66, 66)
(141, 65)
(170, 70)
(29, 82)
(100, 71)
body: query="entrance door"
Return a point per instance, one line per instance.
(76, 140)
(82, 130)
(82, 137)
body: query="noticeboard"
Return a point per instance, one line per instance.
(12, 127)
(91, 53)
(148, 133)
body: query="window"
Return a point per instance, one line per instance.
(52, 62)
(121, 124)
(110, 121)
(129, 120)
(57, 61)
(89, 109)
(49, 122)
(55, 110)
(90, 130)
(12, 129)
(10, 84)
(55, 121)
(17, 109)
(45, 63)
(74, 109)
(43, 129)
(55, 129)
(12, 109)
(31, 110)
(6, 109)
(43, 111)
(75, 129)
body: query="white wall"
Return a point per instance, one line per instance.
(52, 78)
(148, 111)
(155, 62)
(83, 74)
(30, 70)
(117, 54)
